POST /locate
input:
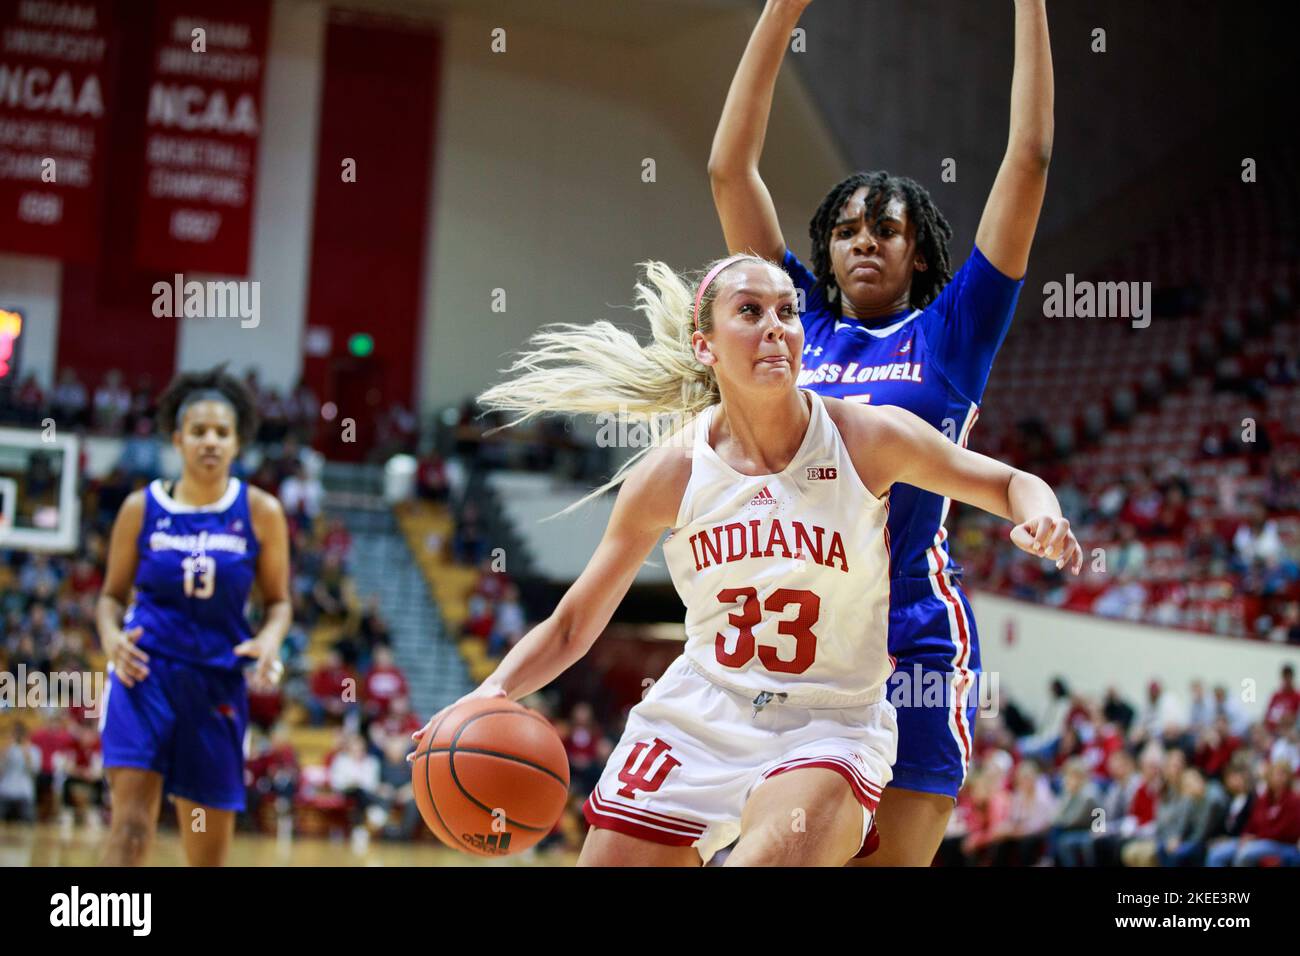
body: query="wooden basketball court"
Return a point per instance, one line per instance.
(52, 845)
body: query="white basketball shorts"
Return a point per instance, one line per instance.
(693, 751)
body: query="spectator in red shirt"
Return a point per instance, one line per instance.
(491, 584)
(431, 478)
(480, 619)
(1105, 740)
(1140, 820)
(337, 540)
(265, 706)
(1284, 704)
(585, 743)
(58, 747)
(84, 578)
(333, 690)
(385, 682)
(986, 814)
(1273, 828)
(84, 789)
(1215, 747)
(272, 771)
(398, 724)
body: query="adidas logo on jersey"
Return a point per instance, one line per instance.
(764, 497)
(822, 473)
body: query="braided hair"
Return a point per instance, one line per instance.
(214, 384)
(932, 232)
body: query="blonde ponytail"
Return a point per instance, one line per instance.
(600, 369)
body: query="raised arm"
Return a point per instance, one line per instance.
(891, 445)
(1006, 230)
(744, 205)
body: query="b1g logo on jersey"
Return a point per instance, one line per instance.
(636, 778)
(822, 473)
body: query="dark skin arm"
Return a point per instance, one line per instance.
(744, 204)
(272, 532)
(129, 662)
(1006, 229)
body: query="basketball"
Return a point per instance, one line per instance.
(491, 777)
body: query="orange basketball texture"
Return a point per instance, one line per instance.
(491, 755)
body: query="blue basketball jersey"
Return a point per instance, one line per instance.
(934, 362)
(197, 566)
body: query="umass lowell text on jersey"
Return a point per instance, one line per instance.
(934, 362)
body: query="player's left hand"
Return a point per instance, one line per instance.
(266, 675)
(485, 689)
(1049, 537)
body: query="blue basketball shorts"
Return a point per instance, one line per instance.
(934, 687)
(184, 722)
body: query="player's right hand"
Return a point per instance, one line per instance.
(129, 662)
(483, 690)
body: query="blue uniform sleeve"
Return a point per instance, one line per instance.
(966, 324)
(815, 308)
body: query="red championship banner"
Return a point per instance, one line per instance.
(54, 61)
(202, 124)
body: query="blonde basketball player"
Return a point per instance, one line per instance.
(772, 726)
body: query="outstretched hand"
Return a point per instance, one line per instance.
(1049, 537)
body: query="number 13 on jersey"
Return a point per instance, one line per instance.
(204, 569)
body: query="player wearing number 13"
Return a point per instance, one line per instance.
(773, 726)
(177, 705)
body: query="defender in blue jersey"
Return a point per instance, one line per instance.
(887, 321)
(177, 703)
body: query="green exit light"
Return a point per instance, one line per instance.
(361, 344)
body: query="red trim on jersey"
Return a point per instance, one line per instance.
(601, 805)
(867, 793)
(964, 635)
(958, 610)
(629, 827)
(870, 845)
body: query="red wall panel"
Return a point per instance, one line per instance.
(378, 107)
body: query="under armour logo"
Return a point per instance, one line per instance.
(634, 780)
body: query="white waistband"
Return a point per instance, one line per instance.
(798, 697)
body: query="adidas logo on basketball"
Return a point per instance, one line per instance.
(764, 497)
(495, 843)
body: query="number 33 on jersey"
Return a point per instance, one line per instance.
(785, 577)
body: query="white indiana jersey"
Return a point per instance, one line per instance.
(785, 577)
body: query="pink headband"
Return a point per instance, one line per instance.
(713, 274)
